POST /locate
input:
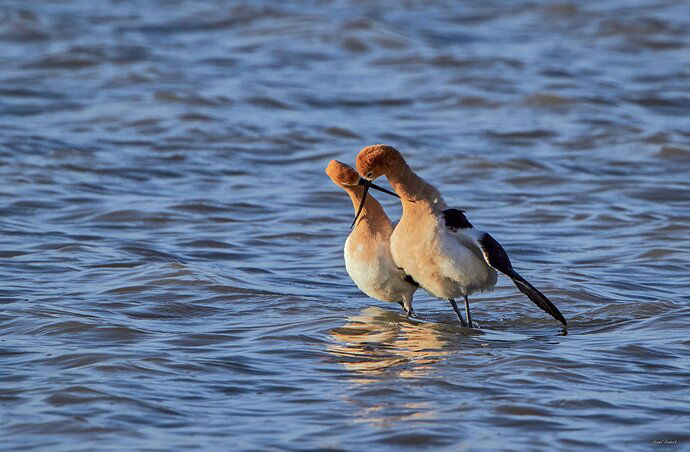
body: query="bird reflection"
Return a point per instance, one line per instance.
(378, 341)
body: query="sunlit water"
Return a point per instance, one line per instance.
(171, 269)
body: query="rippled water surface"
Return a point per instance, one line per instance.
(171, 269)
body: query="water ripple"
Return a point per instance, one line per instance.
(171, 250)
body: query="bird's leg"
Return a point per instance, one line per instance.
(408, 309)
(457, 311)
(467, 311)
(407, 306)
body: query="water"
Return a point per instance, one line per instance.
(170, 254)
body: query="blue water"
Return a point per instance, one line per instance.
(171, 271)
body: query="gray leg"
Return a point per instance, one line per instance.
(408, 309)
(457, 311)
(407, 304)
(467, 311)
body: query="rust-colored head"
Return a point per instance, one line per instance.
(342, 174)
(345, 176)
(374, 161)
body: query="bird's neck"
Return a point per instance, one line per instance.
(414, 191)
(373, 216)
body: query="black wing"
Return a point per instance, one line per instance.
(455, 219)
(497, 258)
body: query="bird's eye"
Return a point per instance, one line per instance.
(370, 174)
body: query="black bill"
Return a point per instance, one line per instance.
(367, 185)
(376, 187)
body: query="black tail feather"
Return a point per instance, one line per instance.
(538, 298)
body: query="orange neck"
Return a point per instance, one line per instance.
(373, 216)
(412, 189)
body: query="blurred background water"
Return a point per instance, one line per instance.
(171, 251)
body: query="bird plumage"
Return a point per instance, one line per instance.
(368, 259)
(437, 245)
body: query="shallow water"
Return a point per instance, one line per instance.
(171, 250)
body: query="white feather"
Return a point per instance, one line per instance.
(447, 264)
(377, 275)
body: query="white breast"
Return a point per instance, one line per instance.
(372, 269)
(446, 264)
(463, 265)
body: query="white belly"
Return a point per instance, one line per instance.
(442, 262)
(372, 269)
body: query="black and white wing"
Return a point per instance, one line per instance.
(497, 258)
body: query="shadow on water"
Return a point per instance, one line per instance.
(378, 342)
